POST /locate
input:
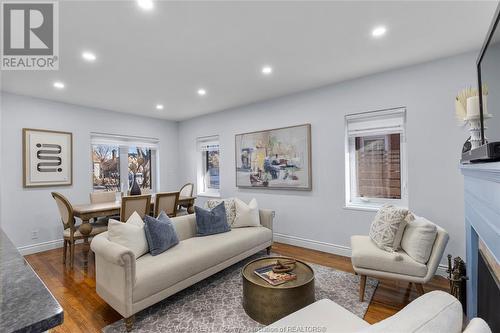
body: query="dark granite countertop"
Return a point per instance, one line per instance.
(26, 305)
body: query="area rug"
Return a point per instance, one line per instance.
(214, 304)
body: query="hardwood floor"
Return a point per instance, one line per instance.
(390, 296)
(85, 311)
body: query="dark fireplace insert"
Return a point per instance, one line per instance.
(488, 292)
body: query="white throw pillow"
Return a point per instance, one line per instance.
(388, 226)
(418, 239)
(246, 215)
(130, 234)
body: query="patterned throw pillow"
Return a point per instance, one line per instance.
(229, 204)
(388, 226)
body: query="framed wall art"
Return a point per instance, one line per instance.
(47, 158)
(278, 158)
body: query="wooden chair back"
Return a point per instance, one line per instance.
(187, 190)
(135, 203)
(167, 202)
(101, 197)
(65, 210)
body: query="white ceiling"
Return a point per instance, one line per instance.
(165, 55)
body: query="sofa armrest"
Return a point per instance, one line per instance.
(477, 325)
(266, 218)
(112, 252)
(115, 273)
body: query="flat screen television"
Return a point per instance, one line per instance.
(488, 70)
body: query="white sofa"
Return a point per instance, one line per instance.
(130, 285)
(434, 312)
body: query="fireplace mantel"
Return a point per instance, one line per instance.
(482, 220)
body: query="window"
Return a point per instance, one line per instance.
(376, 169)
(106, 167)
(117, 160)
(208, 166)
(139, 164)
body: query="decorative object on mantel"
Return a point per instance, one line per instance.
(468, 112)
(457, 278)
(47, 158)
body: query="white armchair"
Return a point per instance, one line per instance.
(369, 260)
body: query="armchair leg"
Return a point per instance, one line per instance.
(268, 250)
(362, 285)
(420, 288)
(129, 323)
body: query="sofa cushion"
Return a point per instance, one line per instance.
(209, 222)
(388, 226)
(434, 312)
(323, 315)
(418, 239)
(192, 256)
(365, 254)
(129, 234)
(247, 215)
(160, 233)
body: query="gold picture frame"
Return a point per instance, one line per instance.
(47, 158)
(278, 158)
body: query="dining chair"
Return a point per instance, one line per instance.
(186, 191)
(102, 197)
(71, 233)
(135, 203)
(167, 202)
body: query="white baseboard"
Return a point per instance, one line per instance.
(340, 250)
(40, 247)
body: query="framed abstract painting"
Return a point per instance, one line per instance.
(278, 158)
(47, 158)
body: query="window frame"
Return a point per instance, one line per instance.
(202, 188)
(366, 203)
(124, 143)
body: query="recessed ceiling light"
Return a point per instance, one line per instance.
(58, 85)
(159, 106)
(379, 31)
(267, 70)
(89, 56)
(145, 4)
(202, 92)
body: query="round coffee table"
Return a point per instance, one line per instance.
(266, 303)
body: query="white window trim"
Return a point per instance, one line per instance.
(373, 204)
(202, 189)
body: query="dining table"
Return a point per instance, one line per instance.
(87, 212)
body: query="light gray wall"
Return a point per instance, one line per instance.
(317, 219)
(25, 210)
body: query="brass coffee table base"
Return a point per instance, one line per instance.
(266, 303)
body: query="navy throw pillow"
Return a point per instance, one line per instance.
(160, 233)
(209, 222)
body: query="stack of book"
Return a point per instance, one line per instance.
(273, 278)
